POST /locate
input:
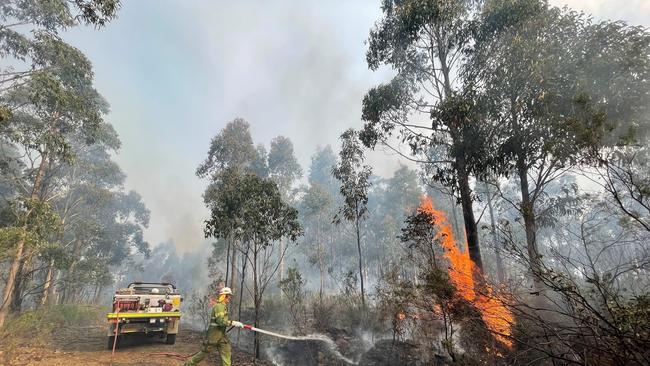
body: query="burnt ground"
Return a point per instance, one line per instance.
(88, 346)
(52, 341)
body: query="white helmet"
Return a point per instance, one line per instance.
(225, 291)
(155, 291)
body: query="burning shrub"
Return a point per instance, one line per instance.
(443, 302)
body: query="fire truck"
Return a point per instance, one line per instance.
(145, 308)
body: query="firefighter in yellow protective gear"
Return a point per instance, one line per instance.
(216, 337)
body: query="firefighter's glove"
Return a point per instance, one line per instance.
(237, 324)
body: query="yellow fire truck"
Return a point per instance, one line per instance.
(145, 308)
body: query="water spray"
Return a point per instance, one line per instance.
(312, 337)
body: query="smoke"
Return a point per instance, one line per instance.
(633, 11)
(312, 347)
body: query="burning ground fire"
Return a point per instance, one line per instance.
(462, 272)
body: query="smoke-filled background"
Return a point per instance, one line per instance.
(295, 69)
(355, 185)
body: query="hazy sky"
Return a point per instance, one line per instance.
(175, 72)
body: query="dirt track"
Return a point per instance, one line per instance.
(89, 347)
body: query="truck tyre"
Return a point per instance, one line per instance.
(171, 339)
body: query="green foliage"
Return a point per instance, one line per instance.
(104, 225)
(633, 318)
(5, 114)
(249, 208)
(232, 147)
(283, 166)
(403, 192)
(55, 96)
(355, 182)
(53, 15)
(320, 170)
(419, 235)
(292, 287)
(260, 164)
(558, 85)
(418, 39)
(316, 200)
(354, 178)
(33, 221)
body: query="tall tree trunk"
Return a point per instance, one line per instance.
(69, 280)
(528, 213)
(493, 230)
(227, 262)
(462, 172)
(69, 283)
(321, 258)
(241, 286)
(98, 291)
(11, 280)
(471, 229)
(233, 266)
(17, 295)
(55, 295)
(19, 256)
(363, 293)
(281, 269)
(256, 302)
(321, 267)
(47, 286)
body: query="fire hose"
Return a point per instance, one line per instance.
(246, 326)
(257, 330)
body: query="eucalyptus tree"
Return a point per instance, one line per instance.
(67, 186)
(558, 88)
(355, 182)
(400, 198)
(403, 193)
(42, 104)
(231, 148)
(11, 168)
(29, 27)
(251, 209)
(29, 41)
(260, 165)
(105, 226)
(92, 207)
(320, 169)
(426, 103)
(284, 170)
(317, 205)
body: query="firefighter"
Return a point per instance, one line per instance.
(216, 337)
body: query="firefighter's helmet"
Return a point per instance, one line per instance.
(225, 291)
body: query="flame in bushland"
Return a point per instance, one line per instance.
(462, 272)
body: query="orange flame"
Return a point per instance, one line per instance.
(462, 272)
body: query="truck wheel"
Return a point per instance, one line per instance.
(111, 340)
(171, 339)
